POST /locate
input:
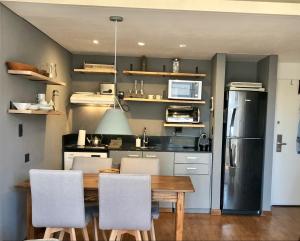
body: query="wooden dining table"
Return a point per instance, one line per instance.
(164, 188)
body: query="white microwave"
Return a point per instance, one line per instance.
(185, 89)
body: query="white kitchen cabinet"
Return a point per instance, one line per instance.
(198, 167)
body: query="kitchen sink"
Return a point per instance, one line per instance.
(155, 147)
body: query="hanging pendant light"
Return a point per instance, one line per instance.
(114, 121)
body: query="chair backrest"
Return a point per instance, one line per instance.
(57, 198)
(91, 164)
(125, 202)
(149, 166)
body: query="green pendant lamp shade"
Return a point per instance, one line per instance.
(114, 122)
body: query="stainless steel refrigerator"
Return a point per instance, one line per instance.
(243, 152)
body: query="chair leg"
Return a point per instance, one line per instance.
(119, 236)
(152, 232)
(138, 235)
(61, 235)
(85, 234)
(95, 223)
(104, 235)
(113, 235)
(48, 233)
(72, 234)
(145, 235)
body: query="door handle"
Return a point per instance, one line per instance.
(191, 168)
(133, 155)
(279, 143)
(151, 156)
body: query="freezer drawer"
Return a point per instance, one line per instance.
(193, 157)
(191, 169)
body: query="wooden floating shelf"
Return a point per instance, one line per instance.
(95, 71)
(184, 125)
(36, 77)
(171, 74)
(34, 112)
(165, 101)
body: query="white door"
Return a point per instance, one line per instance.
(286, 164)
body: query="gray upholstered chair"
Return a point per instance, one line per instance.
(91, 164)
(58, 202)
(125, 204)
(148, 166)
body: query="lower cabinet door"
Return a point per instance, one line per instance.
(166, 164)
(118, 155)
(199, 201)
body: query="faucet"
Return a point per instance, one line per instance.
(54, 94)
(145, 138)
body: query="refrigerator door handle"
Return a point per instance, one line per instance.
(231, 156)
(232, 121)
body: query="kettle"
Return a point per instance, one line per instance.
(94, 141)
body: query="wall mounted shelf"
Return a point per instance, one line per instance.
(36, 77)
(95, 71)
(200, 125)
(164, 74)
(34, 112)
(165, 101)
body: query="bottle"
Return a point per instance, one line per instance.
(175, 65)
(138, 142)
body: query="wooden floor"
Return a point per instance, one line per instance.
(284, 224)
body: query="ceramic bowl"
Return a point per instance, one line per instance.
(22, 106)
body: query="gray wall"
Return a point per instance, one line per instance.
(20, 41)
(267, 73)
(141, 114)
(241, 71)
(218, 83)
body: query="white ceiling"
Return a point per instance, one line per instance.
(204, 33)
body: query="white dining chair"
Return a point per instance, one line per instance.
(148, 166)
(58, 202)
(93, 165)
(125, 204)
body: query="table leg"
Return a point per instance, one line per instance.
(30, 228)
(179, 216)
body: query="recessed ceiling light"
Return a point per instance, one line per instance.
(182, 45)
(141, 44)
(95, 41)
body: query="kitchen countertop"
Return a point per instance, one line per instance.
(158, 148)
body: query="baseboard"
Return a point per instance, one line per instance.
(266, 213)
(215, 212)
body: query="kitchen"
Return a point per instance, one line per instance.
(55, 135)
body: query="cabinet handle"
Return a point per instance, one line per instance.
(191, 157)
(151, 156)
(191, 168)
(133, 155)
